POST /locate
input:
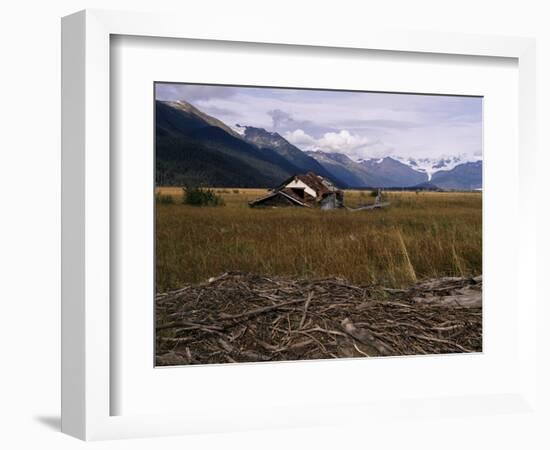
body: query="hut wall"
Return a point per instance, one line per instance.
(331, 201)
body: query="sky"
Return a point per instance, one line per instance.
(362, 125)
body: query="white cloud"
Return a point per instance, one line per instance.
(301, 139)
(355, 146)
(343, 141)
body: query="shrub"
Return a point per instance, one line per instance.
(197, 196)
(164, 199)
(235, 191)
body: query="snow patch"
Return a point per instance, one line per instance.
(431, 165)
(239, 129)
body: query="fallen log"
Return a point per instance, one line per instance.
(263, 310)
(368, 207)
(366, 337)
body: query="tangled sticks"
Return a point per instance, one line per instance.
(240, 317)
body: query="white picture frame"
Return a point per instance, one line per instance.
(86, 220)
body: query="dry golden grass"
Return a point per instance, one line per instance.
(418, 236)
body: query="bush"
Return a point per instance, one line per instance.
(197, 196)
(235, 191)
(164, 199)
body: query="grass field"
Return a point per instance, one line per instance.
(424, 235)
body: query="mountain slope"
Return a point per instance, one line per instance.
(465, 176)
(386, 172)
(196, 118)
(389, 172)
(350, 172)
(194, 148)
(274, 141)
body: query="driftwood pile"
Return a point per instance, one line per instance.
(239, 317)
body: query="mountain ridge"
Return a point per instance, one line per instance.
(274, 141)
(394, 172)
(193, 147)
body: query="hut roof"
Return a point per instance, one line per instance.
(319, 184)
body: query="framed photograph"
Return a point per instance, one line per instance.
(330, 226)
(293, 215)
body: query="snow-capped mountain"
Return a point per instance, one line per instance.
(455, 172)
(390, 172)
(384, 172)
(429, 166)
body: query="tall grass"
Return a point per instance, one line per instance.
(164, 198)
(419, 236)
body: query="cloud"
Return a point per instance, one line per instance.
(217, 111)
(284, 122)
(280, 118)
(192, 93)
(343, 141)
(354, 146)
(301, 139)
(382, 123)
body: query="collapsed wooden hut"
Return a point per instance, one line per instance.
(305, 190)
